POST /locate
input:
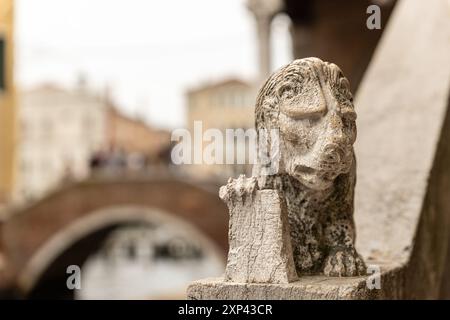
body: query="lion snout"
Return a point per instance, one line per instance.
(332, 154)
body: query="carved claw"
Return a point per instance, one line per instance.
(344, 262)
(238, 189)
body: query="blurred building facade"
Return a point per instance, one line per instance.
(135, 137)
(7, 100)
(228, 104)
(60, 130)
(67, 135)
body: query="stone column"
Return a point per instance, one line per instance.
(264, 11)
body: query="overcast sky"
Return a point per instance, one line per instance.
(148, 52)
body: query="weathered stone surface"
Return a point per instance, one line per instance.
(402, 211)
(260, 248)
(308, 287)
(311, 164)
(295, 215)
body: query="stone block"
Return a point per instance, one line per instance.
(260, 247)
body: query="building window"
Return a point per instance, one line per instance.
(2, 64)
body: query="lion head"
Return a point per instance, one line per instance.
(311, 106)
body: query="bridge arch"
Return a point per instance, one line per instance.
(82, 214)
(100, 221)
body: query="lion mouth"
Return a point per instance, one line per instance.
(305, 173)
(310, 174)
(304, 169)
(330, 176)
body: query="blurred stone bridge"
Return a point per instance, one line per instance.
(38, 242)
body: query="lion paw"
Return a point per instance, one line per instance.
(238, 189)
(344, 262)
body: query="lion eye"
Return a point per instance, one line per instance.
(286, 91)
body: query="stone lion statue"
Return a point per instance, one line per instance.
(309, 103)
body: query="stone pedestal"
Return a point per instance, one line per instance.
(308, 287)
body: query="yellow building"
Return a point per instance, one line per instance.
(7, 100)
(228, 104)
